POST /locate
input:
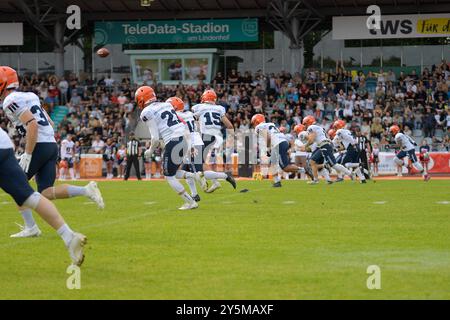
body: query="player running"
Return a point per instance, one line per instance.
(407, 149)
(350, 158)
(67, 158)
(194, 164)
(324, 151)
(211, 117)
(24, 110)
(275, 142)
(14, 182)
(163, 122)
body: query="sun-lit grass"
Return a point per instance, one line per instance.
(297, 242)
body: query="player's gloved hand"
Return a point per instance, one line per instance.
(194, 152)
(268, 154)
(25, 160)
(148, 154)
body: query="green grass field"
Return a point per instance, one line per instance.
(297, 242)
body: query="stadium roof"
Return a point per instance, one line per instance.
(12, 10)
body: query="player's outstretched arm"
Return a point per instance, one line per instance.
(32, 130)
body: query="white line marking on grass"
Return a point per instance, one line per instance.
(149, 203)
(88, 202)
(227, 202)
(379, 202)
(288, 202)
(5, 202)
(443, 202)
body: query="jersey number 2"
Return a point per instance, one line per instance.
(172, 118)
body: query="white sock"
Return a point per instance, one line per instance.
(210, 175)
(325, 173)
(276, 178)
(61, 173)
(192, 186)
(340, 168)
(360, 174)
(181, 174)
(186, 197)
(66, 233)
(75, 191)
(27, 216)
(419, 167)
(72, 176)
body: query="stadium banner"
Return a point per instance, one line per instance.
(11, 34)
(91, 165)
(439, 163)
(392, 26)
(176, 31)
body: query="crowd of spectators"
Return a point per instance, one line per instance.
(104, 109)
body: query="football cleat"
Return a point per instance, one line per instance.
(426, 177)
(363, 181)
(313, 182)
(339, 180)
(75, 248)
(231, 180)
(216, 185)
(188, 206)
(330, 182)
(196, 198)
(93, 193)
(277, 185)
(27, 232)
(200, 177)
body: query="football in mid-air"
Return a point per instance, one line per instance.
(103, 52)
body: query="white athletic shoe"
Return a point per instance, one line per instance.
(93, 193)
(75, 248)
(189, 206)
(216, 185)
(27, 232)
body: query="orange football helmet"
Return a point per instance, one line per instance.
(394, 130)
(257, 119)
(331, 133)
(176, 103)
(338, 124)
(209, 96)
(308, 120)
(299, 128)
(144, 95)
(3, 82)
(12, 80)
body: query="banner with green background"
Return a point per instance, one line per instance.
(176, 31)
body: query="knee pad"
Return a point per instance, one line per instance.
(398, 161)
(33, 201)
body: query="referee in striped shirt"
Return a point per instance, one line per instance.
(133, 154)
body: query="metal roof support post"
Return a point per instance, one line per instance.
(59, 48)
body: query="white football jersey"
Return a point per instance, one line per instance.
(17, 103)
(345, 137)
(188, 117)
(5, 141)
(67, 149)
(276, 137)
(321, 136)
(303, 138)
(405, 142)
(210, 118)
(161, 116)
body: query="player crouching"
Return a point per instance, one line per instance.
(162, 121)
(407, 149)
(276, 142)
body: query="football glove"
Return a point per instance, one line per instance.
(25, 160)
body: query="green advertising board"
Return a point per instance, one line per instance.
(176, 31)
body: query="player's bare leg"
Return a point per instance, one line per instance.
(65, 191)
(46, 209)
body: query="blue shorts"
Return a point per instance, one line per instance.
(325, 154)
(280, 154)
(173, 156)
(69, 162)
(351, 156)
(196, 163)
(43, 165)
(12, 178)
(410, 153)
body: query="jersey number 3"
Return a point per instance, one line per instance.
(37, 110)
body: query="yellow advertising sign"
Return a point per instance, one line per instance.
(434, 26)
